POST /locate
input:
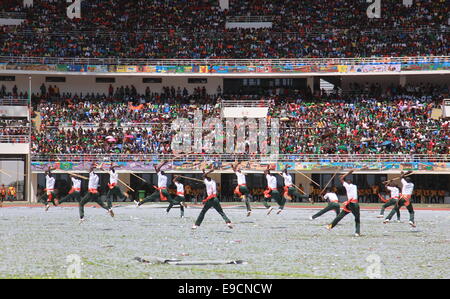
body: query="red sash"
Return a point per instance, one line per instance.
(209, 197)
(236, 190)
(180, 194)
(286, 190)
(382, 198)
(406, 198)
(267, 192)
(161, 195)
(49, 194)
(351, 200)
(112, 185)
(72, 190)
(93, 191)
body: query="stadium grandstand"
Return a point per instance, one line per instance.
(323, 88)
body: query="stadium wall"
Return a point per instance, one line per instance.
(87, 84)
(386, 80)
(10, 22)
(15, 148)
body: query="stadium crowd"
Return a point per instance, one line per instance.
(343, 14)
(13, 93)
(11, 6)
(174, 29)
(395, 120)
(14, 130)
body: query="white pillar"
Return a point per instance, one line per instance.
(407, 3)
(224, 4)
(402, 80)
(27, 3)
(31, 194)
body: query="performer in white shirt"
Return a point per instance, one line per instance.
(351, 205)
(241, 189)
(179, 199)
(405, 199)
(93, 194)
(392, 201)
(75, 191)
(272, 192)
(333, 204)
(290, 191)
(211, 201)
(161, 192)
(49, 195)
(114, 190)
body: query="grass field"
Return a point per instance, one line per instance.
(39, 244)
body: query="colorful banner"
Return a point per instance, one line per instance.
(77, 68)
(322, 166)
(97, 68)
(229, 69)
(148, 69)
(442, 66)
(31, 67)
(369, 68)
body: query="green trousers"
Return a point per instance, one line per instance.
(292, 192)
(76, 195)
(177, 201)
(155, 195)
(114, 192)
(391, 202)
(211, 203)
(45, 198)
(396, 209)
(354, 208)
(247, 196)
(281, 201)
(91, 197)
(331, 206)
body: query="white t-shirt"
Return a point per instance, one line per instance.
(331, 196)
(113, 177)
(162, 180)
(394, 191)
(93, 180)
(271, 181)
(76, 183)
(241, 178)
(352, 190)
(180, 187)
(407, 188)
(287, 179)
(49, 182)
(211, 187)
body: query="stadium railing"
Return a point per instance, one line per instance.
(310, 32)
(14, 138)
(225, 62)
(13, 15)
(155, 126)
(241, 157)
(249, 19)
(244, 103)
(13, 102)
